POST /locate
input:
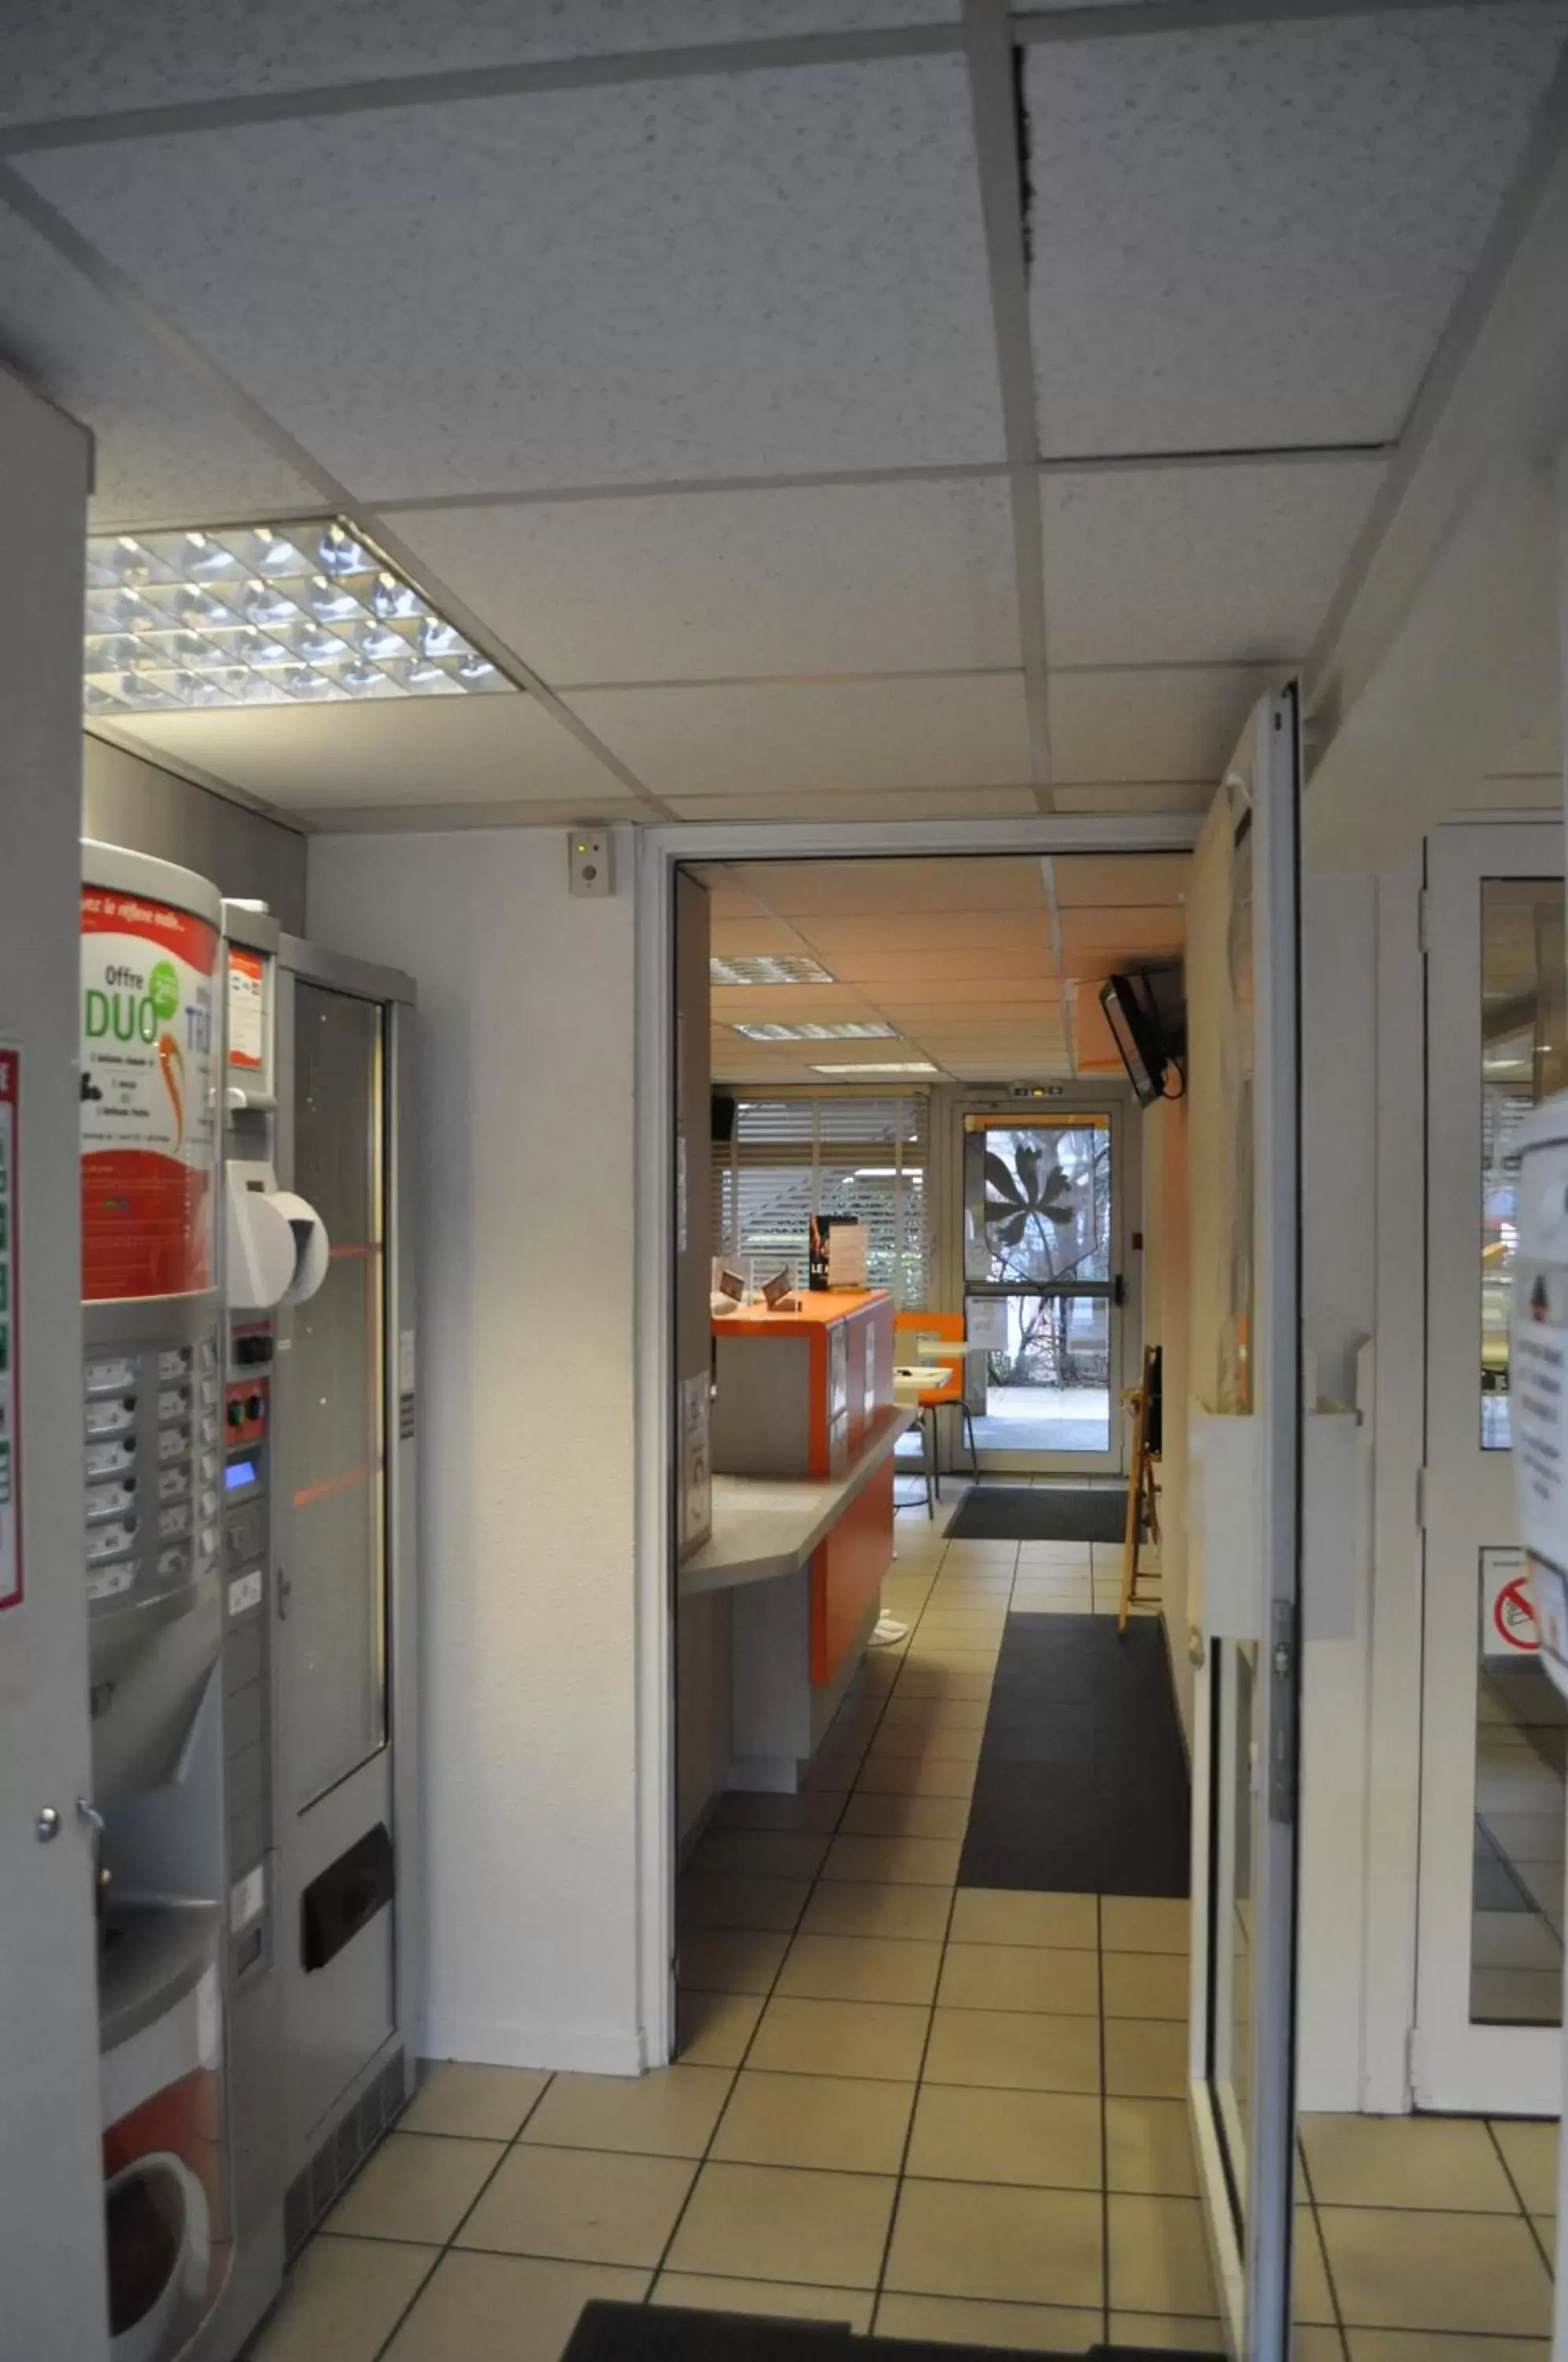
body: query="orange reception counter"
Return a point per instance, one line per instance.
(804, 1429)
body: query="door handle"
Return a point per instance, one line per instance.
(285, 1590)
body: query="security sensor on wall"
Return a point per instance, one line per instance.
(589, 870)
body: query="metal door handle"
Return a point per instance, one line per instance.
(285, 1589)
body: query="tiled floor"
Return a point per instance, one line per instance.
(924, 2109)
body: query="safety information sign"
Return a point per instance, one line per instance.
(1509, 1634)
(247, 1010)
(10, 1374)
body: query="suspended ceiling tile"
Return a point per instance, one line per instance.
(749, 930)
(1253, 236)
(786, 1004)
(1120, 880)
(1175, 797)
(454, 750)
(800, 889)
(1195, 565)
(816, 737)
(919, 967)
(85, 57)
(1120, 727)
(758, 273)
(424, 819)
(913, 1006)
(1145, 935)
(931, 803)
(951, 930)
(840, 579)
(164, 447)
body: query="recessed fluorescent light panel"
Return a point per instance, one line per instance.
(287, 614)
(816, 1032)
(908, 1066)
(768, 967)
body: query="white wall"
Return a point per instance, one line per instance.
(525, 1090)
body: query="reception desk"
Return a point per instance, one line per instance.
(803, 1429)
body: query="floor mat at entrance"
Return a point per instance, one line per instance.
(1049, 1513)
(1081, 1786)
(608, 2331)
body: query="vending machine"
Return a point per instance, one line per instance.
(249, 1422)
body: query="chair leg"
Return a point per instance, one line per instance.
(969, 1439)
(936, 1462)
(928, 1463)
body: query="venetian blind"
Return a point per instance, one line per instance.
(793, 1155)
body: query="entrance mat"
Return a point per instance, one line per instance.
(1044, 1513)
(1082, 1785)
(608, 2331)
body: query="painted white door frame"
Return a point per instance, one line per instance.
(653, 853)
(1469, 1493)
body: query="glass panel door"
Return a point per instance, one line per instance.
(1490, 1949)
(1040, 1296)
(336, 1450)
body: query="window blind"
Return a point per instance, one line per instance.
(793, 1155)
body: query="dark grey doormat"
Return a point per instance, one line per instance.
(607, 2331)
(1044, 1513)
(1081, 1786)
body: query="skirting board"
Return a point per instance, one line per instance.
(568, 2049)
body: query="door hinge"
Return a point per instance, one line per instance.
(1421, 1500)
(1423, 910)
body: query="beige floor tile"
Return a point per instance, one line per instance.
(969, 2320)
(849, 2308)
(1013, 2050)
(1312, 2300)
(477, 2102)
(899, 1861)
(759, 1853)
(1051, 2138)
(1159, 2255)
(503, 2309)
(962, 1552)
(773, 1903)
(873, 1815)
(822, 2122)
(934, 1743)
(1056, 1602)
(670, 2113)
(1176, 2335)
(1001, 1915)
(1065, 1553)
(1400, 2270)
(769, 2222)
(861, 1967)
(730, 1960)
(880, 2040)
(1033, 2246)
(1148, 2147)
(1306, 2344)
(1144, 1922)
(925, 1681)
(942, 1657)
(1020, 1976)
(1531, 2149)
(1425, 2161)
(586, 2206)
(914, 1775)
(1147, 1984)
(713, 2028)
(414, 2187)
(343, 2298)
(1145, 2059)
(846, 1908)
(1422, 2345)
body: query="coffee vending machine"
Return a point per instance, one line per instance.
(250, 1568)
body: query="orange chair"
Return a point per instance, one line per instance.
(947, 1328)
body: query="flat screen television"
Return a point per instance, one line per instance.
(1132, 1014)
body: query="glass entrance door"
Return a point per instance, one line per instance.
(1041, 1297)
(1490, 1941)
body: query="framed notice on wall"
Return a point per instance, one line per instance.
(10, 1371)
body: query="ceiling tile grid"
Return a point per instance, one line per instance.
(1113, 727)
(754, 274)
(1252, 235)
(85, 56)
(814, 579)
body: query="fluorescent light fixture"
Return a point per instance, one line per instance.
(305, 613)
(768, 967)
(849, 1032)
(908, 1066)
(889, 1173)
